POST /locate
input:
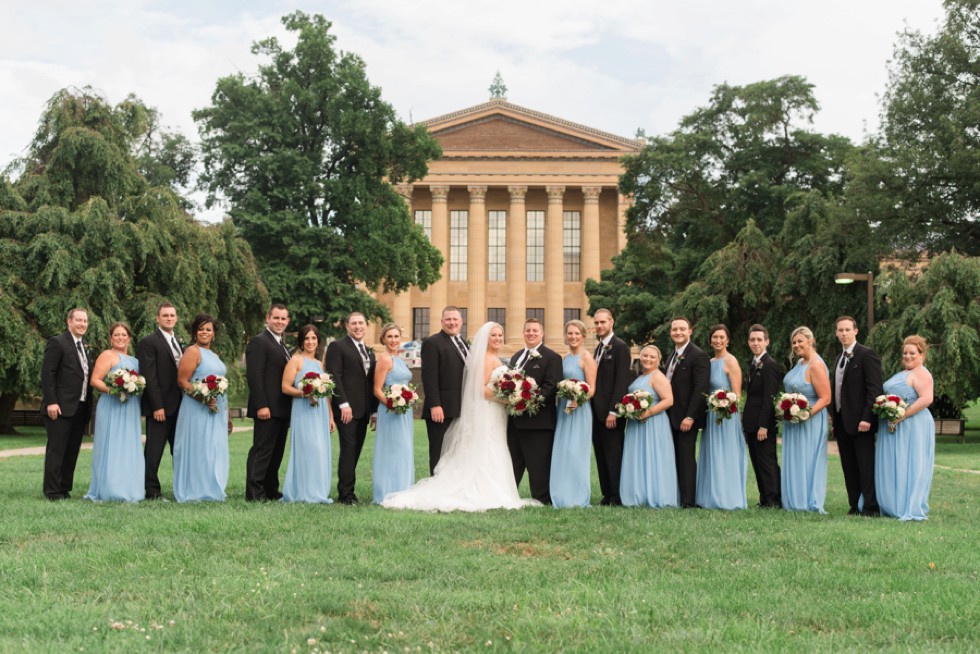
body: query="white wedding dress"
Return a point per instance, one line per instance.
(475, 472)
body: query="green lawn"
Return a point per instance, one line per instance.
(269, 578)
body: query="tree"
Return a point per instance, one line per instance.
(306, 153)
(82, 226)
(920, 173)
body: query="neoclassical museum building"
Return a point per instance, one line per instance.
(524, 208)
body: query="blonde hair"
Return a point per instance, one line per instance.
(651, 346)
(579, 325)
(918, 343)
(387, 327)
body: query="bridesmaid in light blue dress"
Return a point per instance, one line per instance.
(201, 438)
(649, 476)
(117, 453)
(394, 441)
(722, 462)
(904, 458)
(308, 475)
(804, 478)
(571, 457)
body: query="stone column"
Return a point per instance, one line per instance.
(554, 275)
(516, 267)
(476, 269)
(401, 305)
(625, 202)
(591, 264)
(439, 291)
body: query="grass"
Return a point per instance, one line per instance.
(237, 577)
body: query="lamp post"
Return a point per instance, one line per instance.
(850, 278)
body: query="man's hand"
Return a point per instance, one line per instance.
(54, 411)
(686, 424)
(437, 414)
(346, 415)
(264, 413)
(610, 421)
(762, 434)
(864, 426)
(160, 415)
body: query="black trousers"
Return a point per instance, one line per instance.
(264, 459)
(436, 431)
(857, 460)
(158, 436)
(685, 446)
(608, 446)
(351, 436)
(530, 449)
(61, 452)
(766, 467)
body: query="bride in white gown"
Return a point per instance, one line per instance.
(475, 472)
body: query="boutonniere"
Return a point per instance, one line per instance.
(757, 365)
(680, 358)
(848, 356)
(534, 355)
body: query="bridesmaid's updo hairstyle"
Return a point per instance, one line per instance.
(651, 346)
(129, 331)
(199, 321)
(720, 328)
(578, 324)
(918, 343)
(806, 333)
(387, 327)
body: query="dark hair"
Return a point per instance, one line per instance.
(676, 318)
(719, 328)
(278, 305)
(165, 305)
(72, 312)
(352, 314)
(854, 323)
(759, 328)
(301, 337)
(200, 320)
(113, 327)
(530, 320)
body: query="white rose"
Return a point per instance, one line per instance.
(629, 408)
(223, 385)
(130, 387)
(794, 410)
(901, 412)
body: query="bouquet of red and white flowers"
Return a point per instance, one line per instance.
(891, 408)
(793, 407)
(315, 385)
(400, 398)
(633, 404)
(124, 384)
(208, 390)
(518, 392)
(573, 390)
(722, 403)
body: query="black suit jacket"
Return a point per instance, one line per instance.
(62, 375)
(761, 387)
(158, 366)
(353, 386)
(690, 383)
(612, 378)
(442, 375)
(265, 360)
(546, 371)
(859, 388)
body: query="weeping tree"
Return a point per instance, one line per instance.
(93, 220)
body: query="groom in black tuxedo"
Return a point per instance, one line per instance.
(66, 403)
(689, 373)
(759, 417)
(856, 382)
(612, 382)
(351, 364)
(530, 438)
(443, 363)
(159, 355)
(266, 357)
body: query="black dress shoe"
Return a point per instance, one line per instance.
(853, 512)
(275, 496)
(605, 501)
(350, 500)
(871, 514)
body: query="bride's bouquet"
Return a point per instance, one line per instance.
(519, 393)
(793, 407)
(315, 385)
(573, 390)
(400, 398)
(722, 403)
(124, 384)
(208, 390)
(891, 408)
(633, 404)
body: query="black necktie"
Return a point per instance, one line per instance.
(461, 346)
(175, 348)
(598, 351)
(843, 359)
(364, 357)
(285, 350)
(81, 354)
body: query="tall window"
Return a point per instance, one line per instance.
(572, 245)
(573, 314)
(497, 243)
(420, 323)
(535, 246)
(462, 314)
(535, 313)
(424, 218)
(458, 240)
(498, 316)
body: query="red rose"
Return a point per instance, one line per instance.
(785, 405)
(211, 384)
(210, 378)
(407, 394)
(526, 385)
(722, 395)
(311, 375)
(520, 406)
(389, 403)
(894, 398)
(508, 386)
(733, 408)
(787, 416)
(626, 399)
(119, 381)
(307, 389)
(801, 404)
(526, 395)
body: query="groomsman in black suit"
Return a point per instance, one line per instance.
(759, 417)
(856, 384)
(530, 439)
(612, 382)
(66, 403)
(351, 364)
(443, 363)
(159, 355)
(689, 373)
(266, 357)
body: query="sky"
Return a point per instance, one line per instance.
(615, 65)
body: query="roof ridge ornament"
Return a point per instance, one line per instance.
(498, 90)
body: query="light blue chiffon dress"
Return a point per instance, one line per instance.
(804, 478)
(308, 475)
(722, 461)
(571, 457)
(394, 442)
(117, 452)
(649, 476)
(904, 458)
(201, 441)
